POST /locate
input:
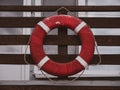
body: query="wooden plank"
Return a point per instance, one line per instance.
(75, 40)
(116, 78)
(62, 49)
(54, 8)
(47, 85)
(106, 59)
(60, 83)
(17, 87)
(18, 21)
(44, 87)
(32, 21)
(18, 59)
(53, 40)
(102, 22)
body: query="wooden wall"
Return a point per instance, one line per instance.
(28, 22)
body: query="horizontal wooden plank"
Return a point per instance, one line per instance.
(48, 85)
(53, 40)
(45, 87)
(19, 21)
(54, 8)
(18, 59)
(32, 21)
(75, 40)
(117, 78)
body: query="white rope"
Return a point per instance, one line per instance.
(100, 59)
(66, 10)
(99, 56)
(66, 82)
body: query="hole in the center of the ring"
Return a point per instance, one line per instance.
(53, 42)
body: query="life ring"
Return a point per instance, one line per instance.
(62, 69)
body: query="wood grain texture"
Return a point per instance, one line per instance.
(93, 22)
(47, 87)
(58, 40)
(54, 8)
(18, 59)
(94, 83)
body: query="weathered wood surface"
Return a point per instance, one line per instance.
(54, 8)
(84, 83)
(94, 22)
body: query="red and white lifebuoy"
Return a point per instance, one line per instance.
(62, 69)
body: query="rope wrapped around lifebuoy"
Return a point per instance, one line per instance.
(62, 69)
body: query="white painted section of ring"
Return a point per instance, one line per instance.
(44, 26)
(82, 61)
(79, 27)
(43, 61)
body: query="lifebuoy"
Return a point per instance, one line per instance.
(62, 69)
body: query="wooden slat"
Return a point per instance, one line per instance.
(62, 49)
(117, 78)
(18, 87)
(106, 59)
(47, 85)
(54, 8)
(32, 21)
(18, 21)
(53, 40)
(102, 22)
(75, 40)
(32, 86)
(18, 59)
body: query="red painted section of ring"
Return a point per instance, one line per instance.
(62, 69)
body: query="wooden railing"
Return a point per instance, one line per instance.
(101, 83)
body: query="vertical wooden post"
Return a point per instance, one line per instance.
(62, 32)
